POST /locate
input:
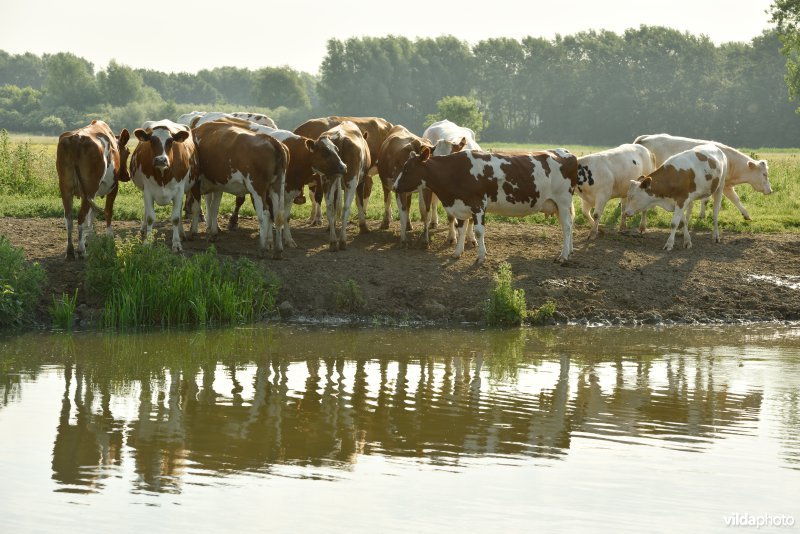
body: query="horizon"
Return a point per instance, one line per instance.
(294, 47)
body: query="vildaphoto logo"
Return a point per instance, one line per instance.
(758, 521)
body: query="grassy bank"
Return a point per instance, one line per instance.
(28, 188)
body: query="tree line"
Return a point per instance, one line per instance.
(594, 87)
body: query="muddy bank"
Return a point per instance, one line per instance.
(616, 279)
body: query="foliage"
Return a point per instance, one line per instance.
(543, 312)
(119, 84)
(461, 110)
(70, 81)
(276, 87)
(506, 305)
(20, 284)
(23, 167)
(62, 311)
(348, 296)
(149, 285)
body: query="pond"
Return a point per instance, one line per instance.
(289, 428)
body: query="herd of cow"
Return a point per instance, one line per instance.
(210, 153)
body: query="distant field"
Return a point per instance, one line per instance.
(37, 196)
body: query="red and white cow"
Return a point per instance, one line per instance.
(395, 150)
(352, 148)
(196, 118)
(742, 169)
(235, 159)
(472, 183)
(687, 176)
(606, 175)
(90, 162)
(164, 167)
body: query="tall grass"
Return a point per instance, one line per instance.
(62, 311)
(20, 285)
(146, 284)
(506, 305)
(348, 296)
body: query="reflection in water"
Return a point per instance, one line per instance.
(252, 401)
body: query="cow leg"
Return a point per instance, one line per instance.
(233, 221)
(687, 216)
(715, 217)
(565, 215)
(264, 226)
(193, 207)
(387, 204)
(362, 198)
(703, 203)
(149, 218)
(288, 199)
(212, 208)
(109, 208)
(84, 223)
(330, 211)
(677, 215)
(275, 217)
(66, 199)
(349, 194)
(451, 229)
(434, 211)
(730, 192)
(471, 234)
(480, 230)
(175, 219)
(462, 232)
(599, 206)
(403, 209)
(425, 201)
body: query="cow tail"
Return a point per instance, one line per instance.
(282, 154)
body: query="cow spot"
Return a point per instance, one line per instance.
(585, 175)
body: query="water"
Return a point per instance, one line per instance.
(288, 429)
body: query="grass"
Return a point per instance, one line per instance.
(144, 283)
(62, 311)
(505, 305)
(20, 285)
(348, 296)
(29, 188)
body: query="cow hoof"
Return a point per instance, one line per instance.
(687, 245)
(384, 225)
(433, 225)
(426, 244)
(177, 248)
(333, 246)
(290, 243)
(233, 226)
(363, 229)
(747, 217)
(473, 244)
(480, 261)
(277, 255)
(342, 245)
(299, 200)
(667, 247)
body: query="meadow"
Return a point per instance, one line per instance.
(29, 188)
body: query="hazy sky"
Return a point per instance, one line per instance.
(197, 34)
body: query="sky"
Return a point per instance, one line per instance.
(199, 34)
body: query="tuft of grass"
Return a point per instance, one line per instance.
(20, 284)
(144, 283)
(348, 296)
(543, 312)
(62, 311)
(505, 305)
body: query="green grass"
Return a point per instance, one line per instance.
(146, 284)
(20, 285)
(348, 296)
(62, 311)
(32, 191)
(505, 306)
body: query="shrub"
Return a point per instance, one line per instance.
(544, 312)
(62, 310)
(20, 284)
(146, 284)
(506, 305)
(348, 296)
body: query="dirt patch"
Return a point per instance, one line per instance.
(615, 279)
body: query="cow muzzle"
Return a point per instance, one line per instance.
(161, 163)
(629, 212)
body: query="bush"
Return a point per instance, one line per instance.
(62, 310)
(146, 284)
(506, 305)
(24, 170)
(348, 296)
(20, 285)
(544, 312)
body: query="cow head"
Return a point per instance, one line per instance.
(161, 142)
(639, 196)
(124, 152)
(444, 147)
(413, 174)
(758, 175)
(325, 159)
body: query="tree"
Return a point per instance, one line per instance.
(786, 16)
(276, 87)
(70, 82)
(119, 84)
(459, 109)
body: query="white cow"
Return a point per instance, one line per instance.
(690, 175)
(606, 175)
(444, 135)
(196, 118)
(742, 169)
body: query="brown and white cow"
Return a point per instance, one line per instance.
(472, 183)
(690, 175)
(164, 167)
(236, 159)
(395, 150)
(196, 118)
(375, 130)
(741, 169)
(90, 162)
(352, 147)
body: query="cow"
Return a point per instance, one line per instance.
(90, 162)
(375, 130)
(352, 146)
(742, 169)
(606, 175)
(164, 167)
(687, 176)
(196, 118)
(394, 152)
(235, 159)
(471, 183)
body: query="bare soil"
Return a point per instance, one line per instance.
(616, 279)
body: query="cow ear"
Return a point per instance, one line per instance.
(142, 135)
(645, 182)
(180, 136)
(461, 144)
(365, 134)
(425, 154)
(752, 165)
(124, 136)
(310, 144)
